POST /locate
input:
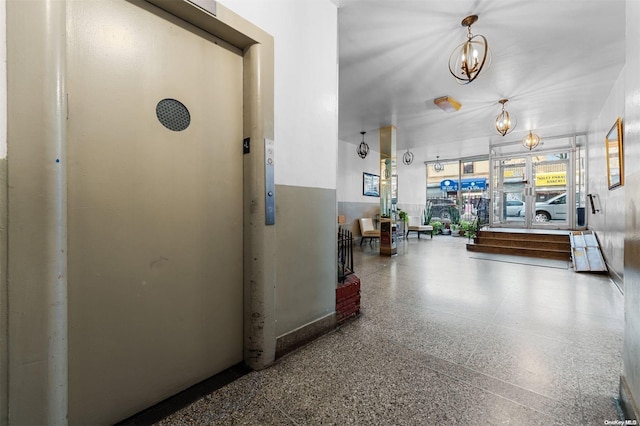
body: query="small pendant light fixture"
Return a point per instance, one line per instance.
(505, 122)
(407, 158)
(470, 58)
(531, 141)
(363, 148)
(437, 166)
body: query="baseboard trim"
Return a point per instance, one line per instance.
(188, 396)
(305, 334)
(627, 402)
(616, 278)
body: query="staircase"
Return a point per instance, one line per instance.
(545, 246)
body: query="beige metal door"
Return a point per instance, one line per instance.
(155, 213)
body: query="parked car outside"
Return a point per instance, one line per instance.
(514, 207)
(555, 208)
(441, 209)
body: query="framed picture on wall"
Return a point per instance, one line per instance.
(370, 185)
(615, 166)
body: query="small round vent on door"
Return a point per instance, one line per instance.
(173, 114)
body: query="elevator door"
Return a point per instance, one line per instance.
(154, 207)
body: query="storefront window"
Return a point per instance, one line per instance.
(460, 185)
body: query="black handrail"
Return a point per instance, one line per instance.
(482, 217)
(345, 254)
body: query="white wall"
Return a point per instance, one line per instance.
(412, 180)
(350, 169)
(609, 223)
(631, 351)
(306, 86)
(412, 183)
(3, 80)
(4, 397)
(306, 145)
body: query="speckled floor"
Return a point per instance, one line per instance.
(445, 337)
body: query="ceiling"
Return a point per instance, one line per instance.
(555, 60)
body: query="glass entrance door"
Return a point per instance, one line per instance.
(531, 191)
(509, 188)
(549, 188)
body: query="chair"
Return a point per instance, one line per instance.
(367, 230)
(415, 225)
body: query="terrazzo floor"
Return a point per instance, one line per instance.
(445, 337)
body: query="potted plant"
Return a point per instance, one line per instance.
(466, 227)
(437, 226)
(404, 218)
(426, 216)
(455, 229)
(447, 229)
(454, 214)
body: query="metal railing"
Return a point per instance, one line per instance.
(482, 217)
(345, 254)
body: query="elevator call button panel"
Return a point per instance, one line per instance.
(270, 187)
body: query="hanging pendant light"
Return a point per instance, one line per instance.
(505, 122)
(386, 169)
(437, 166)
(363, 148)
(470, 58)
(407, 158)
(531, 141)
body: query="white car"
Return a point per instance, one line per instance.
(555, 208)
(514, 207)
